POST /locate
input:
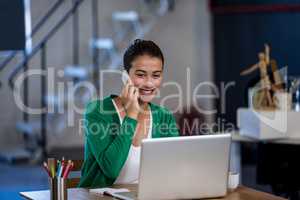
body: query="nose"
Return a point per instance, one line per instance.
(149, 82)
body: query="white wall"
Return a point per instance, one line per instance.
(184, 36)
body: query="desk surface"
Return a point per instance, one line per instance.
(241, 193)
(236, 137)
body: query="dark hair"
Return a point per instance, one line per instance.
(138, 48)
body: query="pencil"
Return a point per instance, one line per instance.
(68, 169)
(51, 166)
(47, 169)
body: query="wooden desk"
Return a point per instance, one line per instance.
(241, 193)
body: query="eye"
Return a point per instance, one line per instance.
(140, 75)
(156, 75)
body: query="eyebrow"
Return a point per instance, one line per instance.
(139, 70)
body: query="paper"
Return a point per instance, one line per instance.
(109, 190)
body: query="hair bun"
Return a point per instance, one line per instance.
(137, 41)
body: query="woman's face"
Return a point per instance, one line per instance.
(146, 74)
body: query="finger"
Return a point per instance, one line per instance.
(129, 84)
(122, 92)
(136, 93)
(129, 97)
(129, 81)
(131, 91)
(125, 89)
(136, 96)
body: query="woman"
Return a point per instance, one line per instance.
(116, 125)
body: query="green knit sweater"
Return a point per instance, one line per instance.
(107, 142)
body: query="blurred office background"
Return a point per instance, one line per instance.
(202, 40)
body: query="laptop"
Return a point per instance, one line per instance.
(183, 168)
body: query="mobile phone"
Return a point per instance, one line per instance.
(125, 77)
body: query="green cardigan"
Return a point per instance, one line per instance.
(107, 142)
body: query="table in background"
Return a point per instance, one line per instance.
(237, 139)
(241, 193)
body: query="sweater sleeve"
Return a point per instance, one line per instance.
(109, 143)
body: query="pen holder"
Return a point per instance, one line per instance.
(53, 188)
(58, 189)
(62, 189)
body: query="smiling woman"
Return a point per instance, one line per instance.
(115, 126)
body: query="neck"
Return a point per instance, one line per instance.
(143, 105)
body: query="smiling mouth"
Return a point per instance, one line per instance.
(146, 91)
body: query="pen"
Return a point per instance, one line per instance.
(110, 195)
(51, 166)
(68, 169)
(62, 167)
(58, 168)
(116, 196)
(107, 194)
(47, 169)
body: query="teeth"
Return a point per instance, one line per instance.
(146, 91)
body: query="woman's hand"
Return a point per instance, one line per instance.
(129, 97)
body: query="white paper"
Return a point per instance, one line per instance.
(109, 190)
